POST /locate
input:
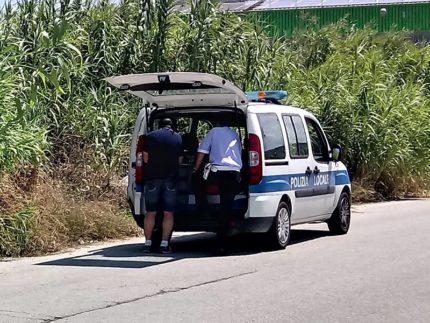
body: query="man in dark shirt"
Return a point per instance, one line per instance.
(162, 153)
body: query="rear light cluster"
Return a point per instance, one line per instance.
(255, 162)
(212, 189)
(139, 160)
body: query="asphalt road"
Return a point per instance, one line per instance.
(379, 272)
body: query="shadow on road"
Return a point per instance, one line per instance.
(199, 245)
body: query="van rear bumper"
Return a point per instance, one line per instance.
(251, 225)
(237, 226)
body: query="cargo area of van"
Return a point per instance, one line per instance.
(193, 124)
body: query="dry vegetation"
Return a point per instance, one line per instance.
(43, 217)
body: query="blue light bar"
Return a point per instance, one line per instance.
(256, 96)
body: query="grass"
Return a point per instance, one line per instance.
(15, 233)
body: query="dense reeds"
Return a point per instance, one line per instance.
(371, 91)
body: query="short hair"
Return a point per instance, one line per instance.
(166, 122)
(219, 123)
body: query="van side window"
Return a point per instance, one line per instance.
(297, 141)
(203, 127)
(183, 125)
(318, 143)
(273, 140)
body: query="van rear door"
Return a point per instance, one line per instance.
(181, 89)
(172, 90)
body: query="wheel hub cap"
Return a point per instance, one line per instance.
(283, 226)
(345, 212)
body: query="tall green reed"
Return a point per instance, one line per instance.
(370, 90)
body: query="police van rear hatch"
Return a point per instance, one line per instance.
(181, 89)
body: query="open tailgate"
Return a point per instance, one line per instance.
(181, 89)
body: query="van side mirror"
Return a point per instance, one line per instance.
(336, 153)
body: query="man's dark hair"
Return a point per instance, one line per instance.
(219, 123)
(166, 122)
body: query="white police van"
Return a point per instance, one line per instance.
(290, 174)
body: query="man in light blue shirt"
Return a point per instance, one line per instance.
(224, 149)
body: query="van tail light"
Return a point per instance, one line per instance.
(212, 189)
(139, 160)
(255, 162)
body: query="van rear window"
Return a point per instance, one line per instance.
(273, 139)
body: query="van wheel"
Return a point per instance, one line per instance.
(280, 232)
(341, 217)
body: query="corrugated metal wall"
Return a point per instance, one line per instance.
(414, 17)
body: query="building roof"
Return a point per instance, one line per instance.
(262, 5)
(296, 4)
(229, 5)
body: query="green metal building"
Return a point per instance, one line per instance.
(285, 16)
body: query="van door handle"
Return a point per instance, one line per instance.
(316, 170)
(308, 171)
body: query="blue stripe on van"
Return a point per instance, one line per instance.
(342, 177)
(298, 182)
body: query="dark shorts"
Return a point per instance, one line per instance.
(160, 193)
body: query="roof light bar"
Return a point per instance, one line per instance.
(255, 96)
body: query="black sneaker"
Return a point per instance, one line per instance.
(146, 248)
(165, 249)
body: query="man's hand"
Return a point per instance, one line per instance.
(199, 160)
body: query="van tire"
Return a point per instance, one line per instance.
(280, 232)
(340, 220)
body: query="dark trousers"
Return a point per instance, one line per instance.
(229, 185)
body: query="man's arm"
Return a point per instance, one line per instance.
(180, 149)
(203, 150)
(199, 160)
(145, 157)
